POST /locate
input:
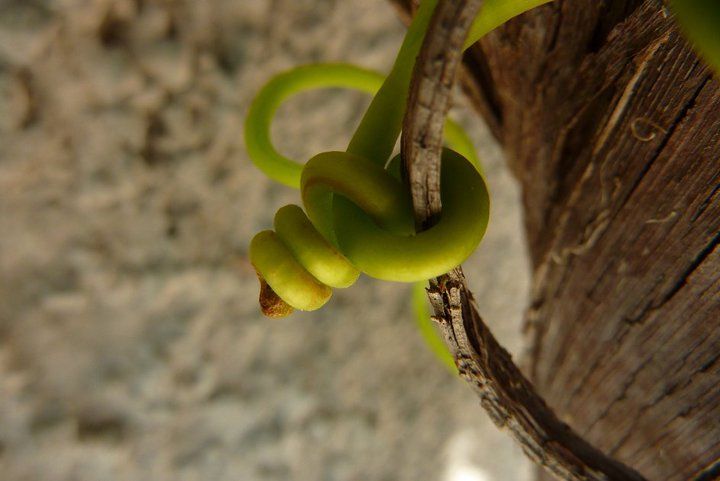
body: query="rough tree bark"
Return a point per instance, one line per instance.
(612, 126)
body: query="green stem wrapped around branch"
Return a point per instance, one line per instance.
(359, 214)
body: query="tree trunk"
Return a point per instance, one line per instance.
(612, 125)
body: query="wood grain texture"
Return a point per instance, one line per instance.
(612, 125)
(508, 398)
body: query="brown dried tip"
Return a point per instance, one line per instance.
(270, 303)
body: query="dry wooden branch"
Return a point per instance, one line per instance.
(505, 394)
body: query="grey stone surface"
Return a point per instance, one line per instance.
(131, 347)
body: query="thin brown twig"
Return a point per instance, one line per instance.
(506, 395)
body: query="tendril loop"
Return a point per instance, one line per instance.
(359, 216)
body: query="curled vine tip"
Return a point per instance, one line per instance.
(358, 212)
(275, 262)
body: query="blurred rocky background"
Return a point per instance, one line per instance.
(131, 347)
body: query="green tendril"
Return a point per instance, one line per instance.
(359, 214)
(311, 77)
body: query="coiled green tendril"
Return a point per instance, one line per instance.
(359, 213)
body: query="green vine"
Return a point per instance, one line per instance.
(358, 215)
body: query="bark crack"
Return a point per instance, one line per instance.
(692, 267)
(705, 204)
